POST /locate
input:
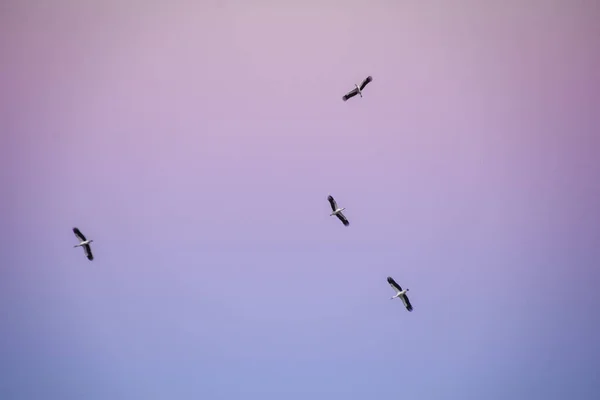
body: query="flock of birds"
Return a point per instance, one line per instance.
(336, 210)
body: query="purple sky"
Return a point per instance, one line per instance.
(197, 144)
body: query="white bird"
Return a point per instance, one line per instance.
(337, 211)
(400, 293)
(83, 242)
(358, 89)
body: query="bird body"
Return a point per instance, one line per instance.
(399, 294)
(358, 89)
(336, 212)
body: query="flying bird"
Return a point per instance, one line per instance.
(400, 293)
(83, 242)
(337, 211)
(358, 89)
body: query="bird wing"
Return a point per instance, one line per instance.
(332, 202)
(350, 94)
(79, 235)
(342, 218)
(88, 252)
(366, 82)
(393, 284)
(406, 303)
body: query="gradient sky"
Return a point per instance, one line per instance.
(197, 144)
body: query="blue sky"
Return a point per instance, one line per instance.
(197, 145)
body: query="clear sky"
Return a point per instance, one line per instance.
(196, 143)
